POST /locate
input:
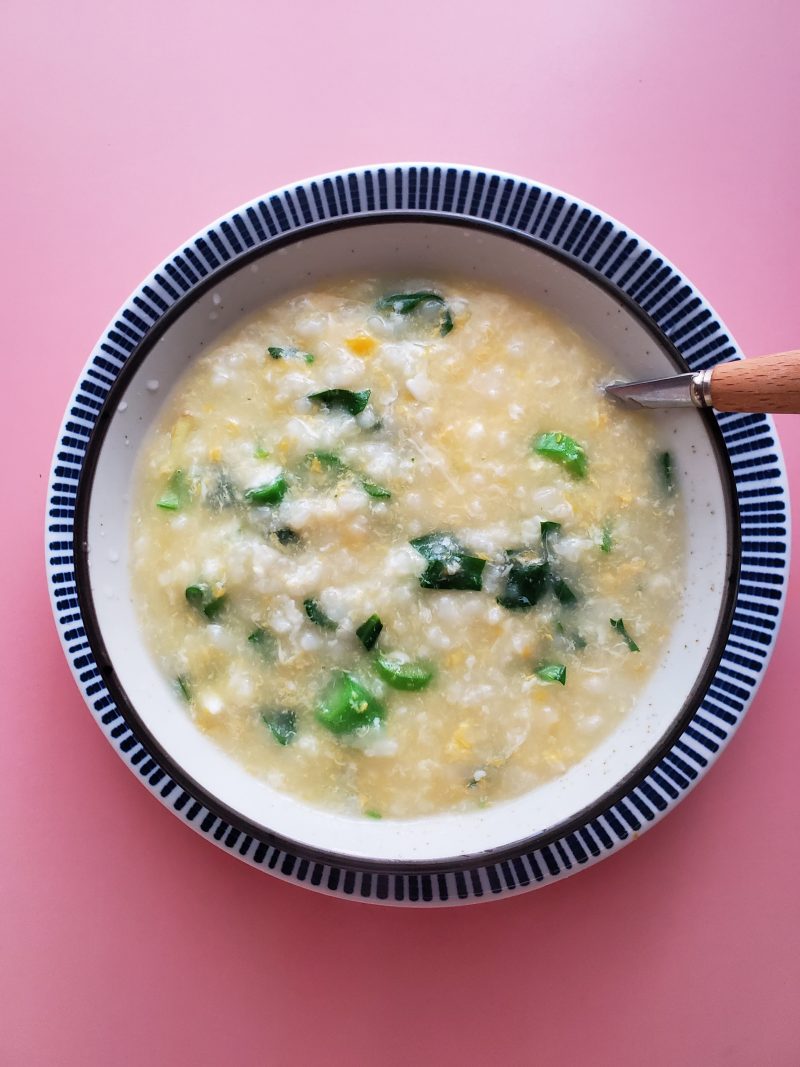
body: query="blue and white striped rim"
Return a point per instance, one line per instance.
(592, 241)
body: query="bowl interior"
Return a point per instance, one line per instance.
(394, 249)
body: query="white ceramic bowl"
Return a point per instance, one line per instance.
(392, 242)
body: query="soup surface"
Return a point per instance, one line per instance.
(397, 552)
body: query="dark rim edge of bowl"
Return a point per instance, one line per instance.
(269, 837)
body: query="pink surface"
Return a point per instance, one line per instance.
(126, 939)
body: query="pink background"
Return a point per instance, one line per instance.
(127, 939)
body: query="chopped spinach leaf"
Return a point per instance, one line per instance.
(281, 724)
(177, 494)
(222, 495)
(619, 626)
(450, 565)
(318, 616)
(526, 583)
(552, 672)
(606, 540)
(571, 639)
(288, 352)
(287, 536)
(561, 590)
(548, 529)
(374, 490)
(264, 642)
(666, 469)
(341, 400)
(560, 448)
(406, 303)
(372, 814)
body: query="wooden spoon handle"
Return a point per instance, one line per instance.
(768, 383)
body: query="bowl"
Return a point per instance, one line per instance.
(513, 235)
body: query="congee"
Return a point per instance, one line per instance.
(397, 553)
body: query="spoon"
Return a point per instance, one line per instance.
(769, 384)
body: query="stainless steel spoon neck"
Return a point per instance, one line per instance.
(692, 389)
(701, 388)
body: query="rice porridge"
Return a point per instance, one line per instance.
(397, 552)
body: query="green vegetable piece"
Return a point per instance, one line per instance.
(548, 529)
(347, 705)
(177, 494)
(201, 597)
(281, 724)
(369, 632)
(183, 687)
(606, 540)
(407, 676)
(406, 303)
(269, 494)
(562, 591)
(619, 626)
(526, 583)
(372, 814)
(264, 642)
(259, 452)
(450, 566)
(223, 495)
(328, 461)
(318, 616)
(552, 672)
(667, 470)
(341, 400)
(560, 448)
(287, 536)
(288, 353)
(331, 462)
(374, 490)
(572, 640)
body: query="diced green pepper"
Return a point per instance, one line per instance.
(406, 303)
(406, 676)
(560, 448)
(347, 705)
(177, 493)
(552, 672)
(619, 626)
(318, 616)
(201, 597)
(341, 400)
(450, 566)
(269, 494)
(281, 724)
(369, 632)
